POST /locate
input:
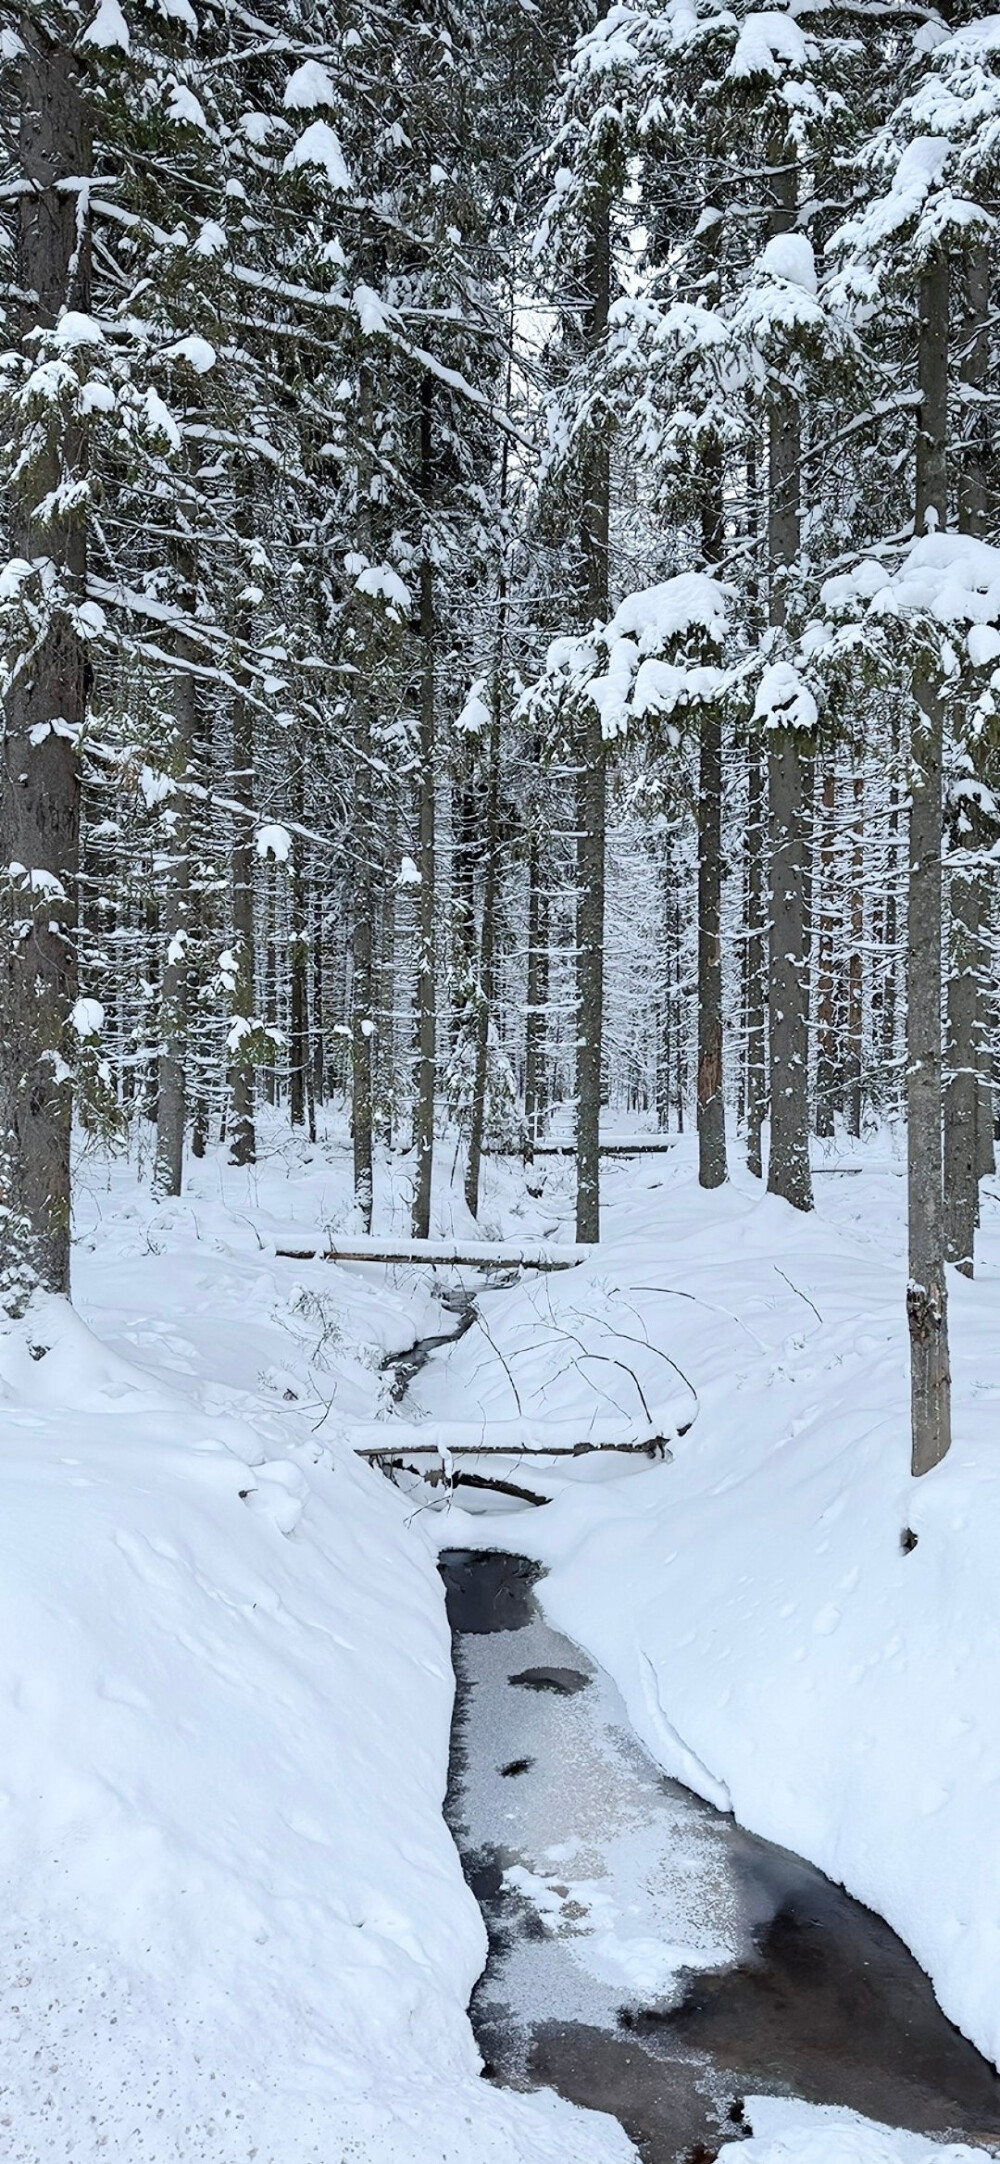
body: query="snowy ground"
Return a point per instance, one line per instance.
(776, 1646)
(236, 1926)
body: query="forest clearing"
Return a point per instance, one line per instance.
(499, 963)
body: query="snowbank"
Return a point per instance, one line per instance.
(778, 1646)
(787, 2132)
(235, 1924)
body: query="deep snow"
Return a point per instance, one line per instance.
(778, 1647)
(235, 1923)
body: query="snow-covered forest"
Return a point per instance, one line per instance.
(500, 657)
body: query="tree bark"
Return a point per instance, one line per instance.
(711, 1100)
(756, 1002)
(962, 1086)
(789, 775)
(243, 1132)
(927, 1297)
(46, 701)
(891, 970)
(491, 882)
(855, 967)
(591, 803)
(826, 1062)
(363, 931)
(487, 950)
(535, 1093)
(423, 1113)
(299, 1077)
(171, 1108)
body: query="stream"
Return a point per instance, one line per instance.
(647, 1956)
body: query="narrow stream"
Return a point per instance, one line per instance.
(648, 1957)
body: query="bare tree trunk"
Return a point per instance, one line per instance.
(363, 843)
(679, 1032)
(46, 701)
(537, 997)
(298, 968)
(826, 1064)
(491, 882)
(171, 1108)
(271, 1089)
(243, 1132)
(962, 1086)
(592, 779)
(385, 1042)
(855, 979)
(986, 1022)
(487, 951)
(423, 1115)
(968, 1127)
(927, 1296)
(891, 975)
(362, 975)
(711, 1100)
(756, 1018)
(789, 768)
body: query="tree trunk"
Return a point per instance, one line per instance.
(271, 1089)
(243, 1132)
(362, 974)
(756, 1001)
(491, 882)
(535, 1094)
(826, 1062)
(591, 803)
(423, 1113)
(362, 851)
(46, 702)
(891, 971)
(711, 1101)
(789, 771)
(487, 950)
(927, 1297)
(171, 1110)
(855, 976)
(385, 1041)
(298, 970)
(962, 1086)
(985, 1116)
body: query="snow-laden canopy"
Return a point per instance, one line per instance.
(950, 578)
(647, 659)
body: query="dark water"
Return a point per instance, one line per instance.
(405, 1365)
(780, 1982)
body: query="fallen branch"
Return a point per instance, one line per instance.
(607, 1149)
(475, 1480)
(393, 1454)
(468, 1254)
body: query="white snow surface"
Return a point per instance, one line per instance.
(320, 145)
(235, 1926)
(109, 29)
(773, 1642)
(787, 2132)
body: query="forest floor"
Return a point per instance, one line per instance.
(236, 1925)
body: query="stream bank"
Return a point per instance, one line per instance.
(648, 1957)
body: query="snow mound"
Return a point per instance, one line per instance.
(235, 1923)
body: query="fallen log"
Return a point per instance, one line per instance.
(654, 1446)
(475, 1480)
(607, 1149)
(466, 1254)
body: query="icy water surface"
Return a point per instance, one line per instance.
(647, 1957)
